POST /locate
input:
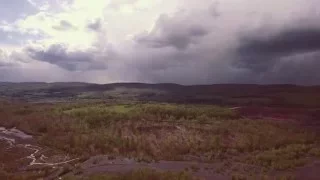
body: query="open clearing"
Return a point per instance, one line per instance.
(157, 141)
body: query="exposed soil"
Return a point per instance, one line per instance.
(310, 171)
(103, 164)
(19, 153)
(208, 171)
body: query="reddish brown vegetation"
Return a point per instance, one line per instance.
(280, 113)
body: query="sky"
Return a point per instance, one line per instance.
(161, 41)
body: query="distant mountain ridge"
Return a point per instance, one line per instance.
(222, 94)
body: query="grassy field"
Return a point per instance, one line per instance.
(136, 121)
(159, 131)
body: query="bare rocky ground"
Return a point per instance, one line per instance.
(207, 171)
(20, 153)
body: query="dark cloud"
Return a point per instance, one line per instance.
(239, 54)
(297, 40)
(260, 53)
(95, 25)
(233, 41)
(296, 69)
(170, 33)
(64, 26)
(59, 55)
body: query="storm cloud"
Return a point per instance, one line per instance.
(187, 42)
(262, 53)
(290, 41)
(168, 32)
(59, 55)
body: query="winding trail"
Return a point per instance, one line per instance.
(17, 139)
(35, 161)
